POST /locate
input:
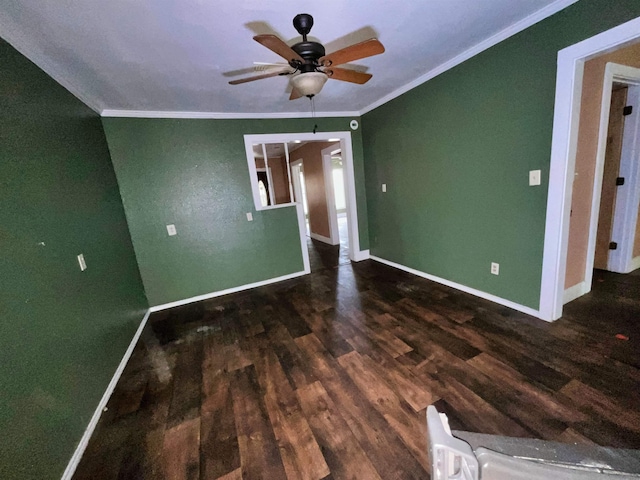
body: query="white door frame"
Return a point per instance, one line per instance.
(327, 171)
(295, 180)
(297, 188)
(628, 195)
(563, 156)
(355, 254)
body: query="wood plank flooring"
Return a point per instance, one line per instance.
(328, 377)
(323, 255)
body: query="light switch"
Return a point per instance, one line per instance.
(171, 230)
(534, 177)
(384, 187)
(249, 217)
(82, 263)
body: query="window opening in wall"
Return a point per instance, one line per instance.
(272, 173)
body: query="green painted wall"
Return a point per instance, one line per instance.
(194, 174)
(63, 332)
(455, 153)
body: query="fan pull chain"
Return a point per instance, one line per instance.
(313, 112)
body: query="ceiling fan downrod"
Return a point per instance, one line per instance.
(310, 51)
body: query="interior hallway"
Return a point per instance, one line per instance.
(329, 375)
(322, 255)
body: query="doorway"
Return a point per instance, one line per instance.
(339, 201)
(569, 83)
(318, 184)
(617, 243)
(293, 144)
(604, 203)
(336, 201)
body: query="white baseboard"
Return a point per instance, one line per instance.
(574, 292)
(361, 255)
(463, 288)
(323, 239)
(219, 293)
(84, 441)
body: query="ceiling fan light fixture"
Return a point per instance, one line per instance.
(308, 84)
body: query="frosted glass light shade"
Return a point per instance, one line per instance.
(309, 83)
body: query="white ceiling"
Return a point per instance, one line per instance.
(178, 55)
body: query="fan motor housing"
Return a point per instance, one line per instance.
(310, 51)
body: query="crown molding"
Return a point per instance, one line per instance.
(18, 40)
(220, 115)
(475, 50)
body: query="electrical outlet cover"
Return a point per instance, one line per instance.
(171, 230)
(495, 268)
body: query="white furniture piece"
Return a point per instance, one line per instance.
(474, 456)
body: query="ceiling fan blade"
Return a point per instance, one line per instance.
(294, 94)
(258, 77)
(280, 64)
(276, 45)
(368, 48)
(268, 67)
(347, 75)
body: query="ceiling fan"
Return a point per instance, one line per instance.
(309, 65)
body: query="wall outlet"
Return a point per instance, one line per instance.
(495, 268)
(171, 230)
(534, 177)
(249, 217)
(384, 187)
(82, 263)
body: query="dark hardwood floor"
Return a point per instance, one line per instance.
(328, 377)
(322, 255)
